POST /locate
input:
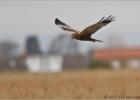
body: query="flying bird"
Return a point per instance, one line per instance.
(85, 34)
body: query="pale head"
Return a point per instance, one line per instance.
(74, 35)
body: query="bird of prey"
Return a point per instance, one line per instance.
(85, 34)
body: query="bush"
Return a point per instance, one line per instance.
(95, 64)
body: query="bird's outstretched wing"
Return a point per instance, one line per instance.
(64, 26)
(95, 27)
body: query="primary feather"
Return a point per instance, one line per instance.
(88, 31)
(64, 26)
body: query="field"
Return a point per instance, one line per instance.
(97, 84)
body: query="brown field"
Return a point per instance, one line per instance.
(71, 84)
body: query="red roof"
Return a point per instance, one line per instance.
(117, 53)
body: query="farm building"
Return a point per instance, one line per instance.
(62, 54)
(54, 63)
(74, 61)
(119, 57)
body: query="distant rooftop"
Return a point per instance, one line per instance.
(116, 53)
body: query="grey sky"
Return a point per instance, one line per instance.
(19, 18)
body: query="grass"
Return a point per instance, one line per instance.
(70, 84)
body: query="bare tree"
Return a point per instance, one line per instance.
(8, 49)
(63, 44)
(32, 45)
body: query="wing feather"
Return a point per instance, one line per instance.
(64, 26)
(95, 27)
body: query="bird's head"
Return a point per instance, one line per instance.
(73, 35)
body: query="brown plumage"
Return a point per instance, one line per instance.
(85, 34)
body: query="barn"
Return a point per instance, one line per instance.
(119, 57)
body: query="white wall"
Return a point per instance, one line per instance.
(133, 63)
(116, 64)
(44, 63)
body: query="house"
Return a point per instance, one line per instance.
(54, 62)
(119, 57)
(12, 64)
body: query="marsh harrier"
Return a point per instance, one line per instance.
(85, 34)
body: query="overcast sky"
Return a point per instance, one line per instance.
(20, 18)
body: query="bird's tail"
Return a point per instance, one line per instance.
(94, 40)
(98, 40)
